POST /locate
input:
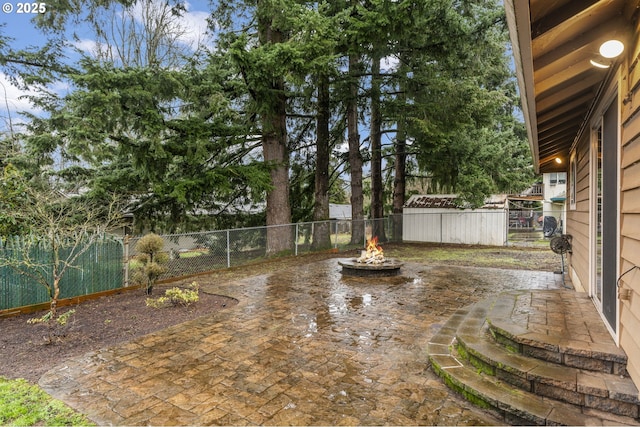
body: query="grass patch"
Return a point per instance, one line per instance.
(481, 256)
(539, 242)
(530, 258)
(23, 404)
(193, 254)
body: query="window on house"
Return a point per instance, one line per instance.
(557, 178)
(562, 178)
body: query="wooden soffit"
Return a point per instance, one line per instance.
(553, 44)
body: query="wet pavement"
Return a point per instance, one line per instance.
(304, 346)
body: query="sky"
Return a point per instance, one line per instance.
(17, 26)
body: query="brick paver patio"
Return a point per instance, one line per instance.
(304, 346)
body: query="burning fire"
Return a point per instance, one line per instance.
(373, 254)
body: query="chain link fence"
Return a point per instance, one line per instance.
(193, 253)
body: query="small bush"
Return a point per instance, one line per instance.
(150, 244)
(151, 261)
(176, 297)
(61, 320)
(56, 325)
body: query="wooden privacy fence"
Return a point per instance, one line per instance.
(98, 269)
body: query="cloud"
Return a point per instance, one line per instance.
(12, 102)
(195, 26)
(190, 27)
(86, 45)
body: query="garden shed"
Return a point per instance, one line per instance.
(441, 219)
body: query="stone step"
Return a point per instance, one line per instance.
(598, 390)
(502, 392)
(581, 341)
(516, 406)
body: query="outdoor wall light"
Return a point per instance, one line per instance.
(608, 50)
(611, 48)
(598, 64)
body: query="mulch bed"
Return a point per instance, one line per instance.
(104, 322)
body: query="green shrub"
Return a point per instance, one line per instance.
(61, 320)
(151, 260)
(176, 297)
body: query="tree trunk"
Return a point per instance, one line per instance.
(275, 152)
(400, 169)
(54, 298)
(377, 191)
(355, 158)
(53, 307)
(399, 180)
(321, 232)
(278, 209)
(55, 291)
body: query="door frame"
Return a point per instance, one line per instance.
(611, 96)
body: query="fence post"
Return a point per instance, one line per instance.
(228, 251)
(125, 247)
(335, 245)
(506, 227)
(364, 233)
(296, 242)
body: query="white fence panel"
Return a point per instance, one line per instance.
(478, 227)
(422, 227)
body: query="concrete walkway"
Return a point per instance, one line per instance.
(304, 346)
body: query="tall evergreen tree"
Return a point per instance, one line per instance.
(321, 236)
(270, 91)
(148, 121)
(290, 44)
(355, 157)
(196, 135)
(463, 103)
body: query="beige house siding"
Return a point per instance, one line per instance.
(578, 219)
(587, 92)
(630, 212)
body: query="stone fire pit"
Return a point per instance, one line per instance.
(371, 262)
(351, 267)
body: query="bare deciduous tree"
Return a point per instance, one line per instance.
(146, 33)
(63, 227)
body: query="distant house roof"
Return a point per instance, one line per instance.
(496, 201)
(526, 198)
(448, 201)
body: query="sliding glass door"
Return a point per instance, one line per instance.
(605, 205)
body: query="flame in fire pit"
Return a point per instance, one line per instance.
(374, 253)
